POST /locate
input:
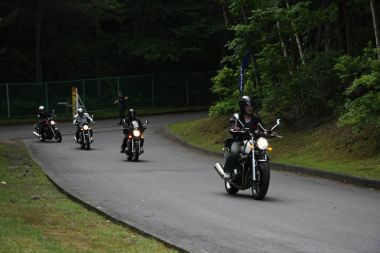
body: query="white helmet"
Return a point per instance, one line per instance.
(80, 110)
(41, 108)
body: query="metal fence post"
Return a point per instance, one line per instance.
(153, 90)
(46, 97)
(8, 104)
(187, 91)
(84, 92)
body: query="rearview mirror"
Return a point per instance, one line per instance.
(236, 116)
(277, 124)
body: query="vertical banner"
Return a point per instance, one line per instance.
(241, 82)
(243, 67)
(74, 99)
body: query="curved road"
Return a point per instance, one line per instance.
(174, 194)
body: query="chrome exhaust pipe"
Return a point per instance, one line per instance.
(36, 134)
(219, 170)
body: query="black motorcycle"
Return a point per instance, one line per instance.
(133, 150)
(253, 171)
(84, 137)
(48, 131)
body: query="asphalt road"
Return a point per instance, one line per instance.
(174, 194)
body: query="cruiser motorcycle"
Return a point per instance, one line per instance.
(133, 150)
(253, 171)
(85, 138)
(49, 130)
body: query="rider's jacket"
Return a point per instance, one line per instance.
(128, 121)
(85, 118)
(234, 125)
(43, 115)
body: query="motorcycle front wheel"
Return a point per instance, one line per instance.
(59, 136)
(260, 187)
(88, 143)
(230, 189)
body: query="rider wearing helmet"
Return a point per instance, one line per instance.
(42, 116)
(127, 122)
(81, 117)
(250, 120)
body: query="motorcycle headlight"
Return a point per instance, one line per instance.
(262, 143)
(52, 122)
(85, 127)
(136, 133)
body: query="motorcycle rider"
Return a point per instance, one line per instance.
(79, 118)
(127, 122)
(42, 116)
(251, 121)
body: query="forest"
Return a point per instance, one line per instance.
(306, 59)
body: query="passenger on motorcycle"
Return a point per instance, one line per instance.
(80, 118)
(127, 123)
(42, 116)
(251, 121)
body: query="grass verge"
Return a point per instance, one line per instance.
(108, 114)
(36, 217)
(323, 147)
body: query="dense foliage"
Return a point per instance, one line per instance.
(308, 59)
(73, 39)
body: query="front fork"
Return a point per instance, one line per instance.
(253, 162)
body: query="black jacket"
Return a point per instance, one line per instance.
(127, 123)
(235, 125)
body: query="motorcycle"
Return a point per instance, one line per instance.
(253, 171)
(49, 130)
(133, 150)
(84, 137)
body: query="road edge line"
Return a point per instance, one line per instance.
(89, 206)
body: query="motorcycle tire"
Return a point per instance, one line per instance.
(230, 189)
(136, 157)
(59, 136)
(88, 143)
(260, 189)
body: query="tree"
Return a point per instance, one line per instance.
(375, 20)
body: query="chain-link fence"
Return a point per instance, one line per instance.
(23, 99)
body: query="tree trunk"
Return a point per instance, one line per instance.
(38, 41)
(299, 46)
(225, 16)
(344, 27)
(375, 25)
(283, 46)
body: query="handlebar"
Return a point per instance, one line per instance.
(267, 134)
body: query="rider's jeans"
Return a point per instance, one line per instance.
(232, 158)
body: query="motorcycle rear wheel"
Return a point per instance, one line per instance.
(230, 189)
(260, 188)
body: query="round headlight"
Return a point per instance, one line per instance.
(52, 122)
(85, 127)
(262, 143)
(136, 133)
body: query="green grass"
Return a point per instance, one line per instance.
(107, 114)
(36, 217)
(325, 147)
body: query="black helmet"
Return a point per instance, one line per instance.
(245, 101)
(132, 113)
